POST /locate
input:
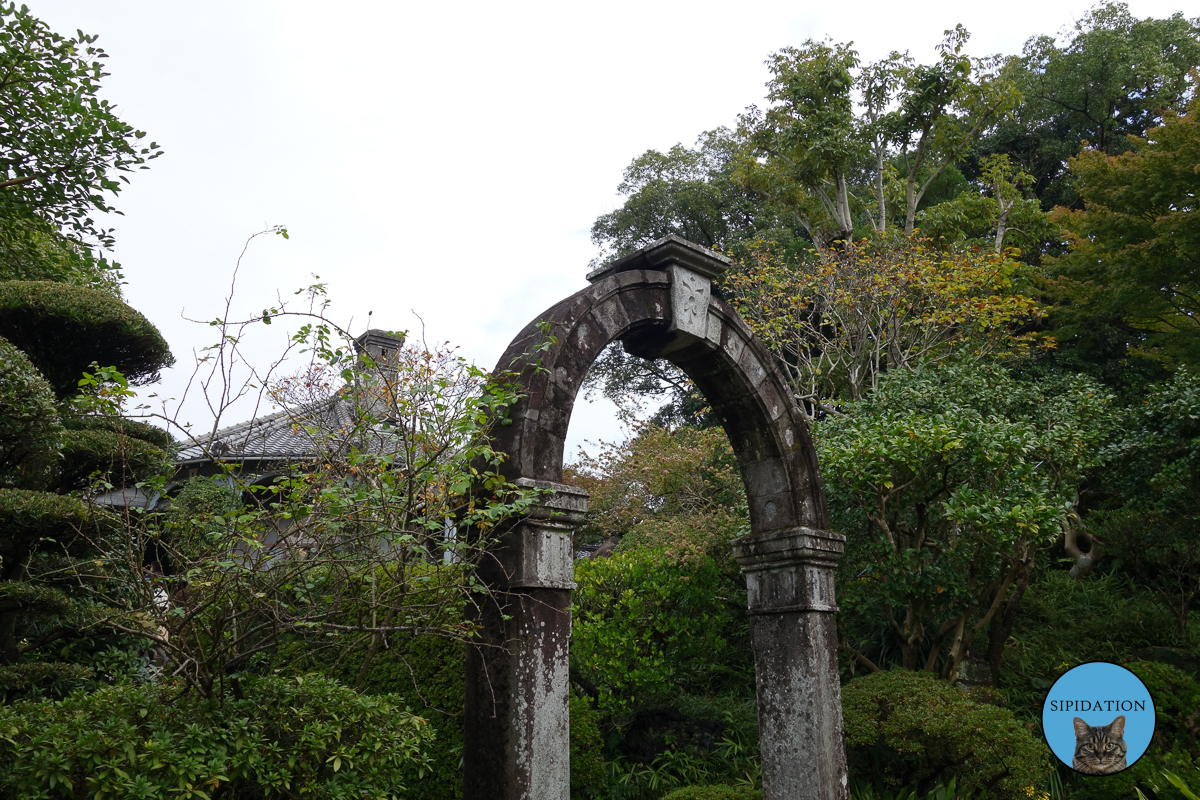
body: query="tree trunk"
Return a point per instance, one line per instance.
(879, 191)
(1002, 220)
(1002, 624)
(8, 640)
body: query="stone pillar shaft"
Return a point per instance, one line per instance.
(789, 578)
(516, 743)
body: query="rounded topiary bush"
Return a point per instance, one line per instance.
(911, 729)
(64, 328)
(29, 425)
(127, 427)
(120, 459)
(714, 793)
(27, 517)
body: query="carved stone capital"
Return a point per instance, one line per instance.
(538, 553)
(559, 502)
(789, 570)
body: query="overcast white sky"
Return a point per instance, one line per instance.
(446, 159)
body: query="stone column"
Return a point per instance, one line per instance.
(789, 577)
(516, 742)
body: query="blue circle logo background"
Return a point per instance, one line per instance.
(1098, 682)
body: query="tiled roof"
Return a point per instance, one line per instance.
(283, 436)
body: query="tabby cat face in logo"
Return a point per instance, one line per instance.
(1100, 749)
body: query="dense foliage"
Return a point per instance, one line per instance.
(646, 626)
(64, 329)
(916, 730)
(280, 738)
(977, 275)
(29, 424)
(62, 146)
(947, 481)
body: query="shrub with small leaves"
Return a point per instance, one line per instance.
(129, 427)
(119, 459)
(63, 329)
(648, 627)
(29, 426)
(911, 729)
(588, 778)
(310, 738)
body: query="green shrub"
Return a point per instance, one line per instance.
(205, 497)
(714, 793)
(648, 628)
(1176, 706)
(1065, 622)
(64, 328)
(284, 738)
(119, 459)
(1176, 743)
(588, 777)
(40, 678)
(26, 517)
(427, 671)
(910, 729)
(29, 425)
(128, 427)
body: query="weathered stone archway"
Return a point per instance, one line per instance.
(659, 303)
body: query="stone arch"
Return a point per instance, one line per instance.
(659, 303)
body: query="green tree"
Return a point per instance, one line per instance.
(63, 434)
(1108, 77)
(1135, 243)
(676, 489)
(808, 136)
(60, 143)
(917, 120)
(1002, 209)
(944, 108)
(946, 482)
(689, 192)
(839, 324)
(1153, 524)
(63, 154)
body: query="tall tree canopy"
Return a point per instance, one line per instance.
(1135, 244)
(63, 151)
(1110, 76)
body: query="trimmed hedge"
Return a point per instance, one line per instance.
(42, 677)
(128, 427)
(27, 516)
(31, 598)
(120, 459)
(29, 425)
(911, 729)
(64, 328)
